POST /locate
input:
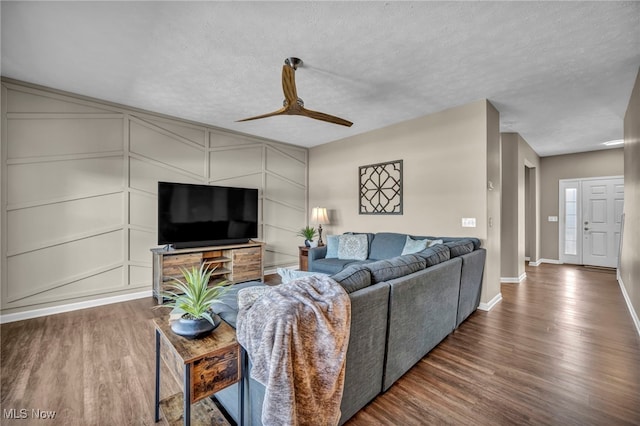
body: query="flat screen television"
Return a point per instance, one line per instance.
(203, 215)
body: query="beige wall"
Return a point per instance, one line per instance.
(520, 167)
(446, 165)
(609, 162)
(79, 182)
(630, 259)
(493, 189)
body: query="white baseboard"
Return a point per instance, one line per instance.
(536, 263)
(35, 313)
(514, 280)
(634, 316)
(493, 302)
(552, 261)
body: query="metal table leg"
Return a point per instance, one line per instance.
(241, 420)
(157, 402)
(187, 395)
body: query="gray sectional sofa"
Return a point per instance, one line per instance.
(402, 306)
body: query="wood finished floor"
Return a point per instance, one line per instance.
(560, 349)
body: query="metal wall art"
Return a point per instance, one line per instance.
(381, 188)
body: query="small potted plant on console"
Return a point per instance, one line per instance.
(308, 233)
(191, 300)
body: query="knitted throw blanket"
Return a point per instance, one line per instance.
(296, 335)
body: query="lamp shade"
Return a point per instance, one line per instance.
(319, 216)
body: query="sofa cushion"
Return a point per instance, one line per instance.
(332, 266)
(386, 245)
(399, 266)
(476, 241)
(459, 247)
(353, 247)
(332, 246)
(435, 254)
(353, 277)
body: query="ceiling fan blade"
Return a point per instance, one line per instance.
(270, 114)
(289, 84)
(325, 117)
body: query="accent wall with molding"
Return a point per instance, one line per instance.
(79, 183)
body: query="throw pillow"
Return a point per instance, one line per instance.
(332, 247)
(414, 246)
(354, 247)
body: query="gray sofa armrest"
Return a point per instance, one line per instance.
(317, 253)
(470, 283)
(314, 254)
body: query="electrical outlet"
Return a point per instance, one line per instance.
(468, 222)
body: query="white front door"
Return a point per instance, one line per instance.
(602, 206)
(590, 218)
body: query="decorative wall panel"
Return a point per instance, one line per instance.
(242, 161)
(143, 210)
(156, 144)
(285, 166)
(61, 264)
(38, 137)
(44, 182)
(79, 193)
(32, 228)
(145, 176)
(285, 192)
(220, 139)
(195, 134)
(139, 244)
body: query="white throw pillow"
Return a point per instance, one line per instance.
(353, 246)
(414, 246)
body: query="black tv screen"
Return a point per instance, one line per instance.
(201, 215)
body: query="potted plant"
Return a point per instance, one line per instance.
(191, 300)
(308, 232)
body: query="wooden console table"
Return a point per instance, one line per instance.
(234, 262)
(206, 366)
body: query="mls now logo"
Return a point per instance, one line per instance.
(23, 413)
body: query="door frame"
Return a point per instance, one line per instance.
(562, 185)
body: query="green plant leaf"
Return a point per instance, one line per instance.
(194, 295)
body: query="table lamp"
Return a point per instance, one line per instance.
(319, 216)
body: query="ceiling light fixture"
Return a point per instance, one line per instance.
(615, 142)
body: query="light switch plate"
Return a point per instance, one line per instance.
(468, 222)
(553, 218)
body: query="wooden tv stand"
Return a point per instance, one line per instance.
(234, 262)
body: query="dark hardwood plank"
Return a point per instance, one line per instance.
(560, 349)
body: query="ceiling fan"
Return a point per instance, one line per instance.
(292, 104)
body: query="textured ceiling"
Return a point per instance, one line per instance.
(559, 73)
